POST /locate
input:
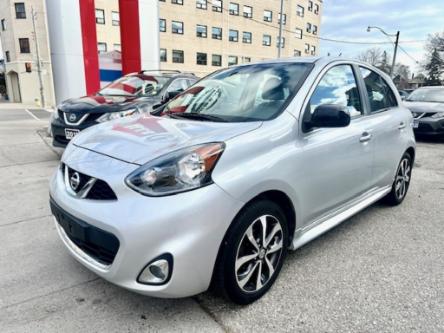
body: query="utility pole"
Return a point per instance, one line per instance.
(37, 52)
(392, 69)
(280, 29)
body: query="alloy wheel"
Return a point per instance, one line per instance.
(258, 253)
(402, 178)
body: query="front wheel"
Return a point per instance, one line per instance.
(253, 252)
(402, 181)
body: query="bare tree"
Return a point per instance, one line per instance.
(373, 56)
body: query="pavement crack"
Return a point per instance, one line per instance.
(29, 219)
(210, 313)
(49, 294)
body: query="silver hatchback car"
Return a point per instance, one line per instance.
(249, 162)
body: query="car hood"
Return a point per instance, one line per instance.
(425, 107)
(103, 104)
(140, 139)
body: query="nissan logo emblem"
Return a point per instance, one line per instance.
(74, 181)
(72, 117)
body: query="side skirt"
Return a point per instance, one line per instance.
(324, 224)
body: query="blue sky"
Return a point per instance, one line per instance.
(348, 20)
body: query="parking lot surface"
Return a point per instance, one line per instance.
(380, 271)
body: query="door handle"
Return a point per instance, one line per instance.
(366, 136)
(401, 125)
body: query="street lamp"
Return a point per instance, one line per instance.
(369, 28)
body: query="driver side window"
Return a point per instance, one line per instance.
(338, 86)
(178, 85)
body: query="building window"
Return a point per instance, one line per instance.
(217, 6)
(117, 47)
(177, 27)
(310, 6)
(24, 45)
(115, 17)
(177, 2)
(316, 11)
(233, 36)
(266, 40)
(297, 53)
(284, 19)
(232, 60)
(178, 57)
(298, 33)
(100, 16)
(268, 15)
(201, 58)
(308, 29)
(3, 25)
(216, 60)
(315, 30)
(246, 37)
(300, 11)
(246, 60)
(216, 33)
(248, 11)
(20, 12)
(101, 47)
(201, 4)
(162, 25)
(7, 56)
(163, 55)
(307, 48)
(234, 8)
(281, 44)
(201, 31)
(313, 50)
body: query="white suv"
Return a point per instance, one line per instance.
(249, 162)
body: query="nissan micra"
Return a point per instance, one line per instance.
(250, 162)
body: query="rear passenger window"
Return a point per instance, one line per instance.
(338, 86)
(380, 94)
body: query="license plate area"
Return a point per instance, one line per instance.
(72, 228)
(71, 133)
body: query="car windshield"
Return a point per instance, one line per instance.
(246, 93)
(135, 85)
(427, 95)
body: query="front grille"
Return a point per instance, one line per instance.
(101, 191)
(86, 186)
(97, 243)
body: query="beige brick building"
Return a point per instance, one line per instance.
(19, 50)
(107, 25)
(203, 35)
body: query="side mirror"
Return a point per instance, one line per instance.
(329, 115)
(170, 95)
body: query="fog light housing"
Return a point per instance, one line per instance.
(158, 271)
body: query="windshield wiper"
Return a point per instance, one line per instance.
(197, 116)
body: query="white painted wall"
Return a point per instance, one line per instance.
(65, 37)
(149, 33)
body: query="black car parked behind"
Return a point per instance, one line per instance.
(131, 94)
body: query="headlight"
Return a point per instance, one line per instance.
(179, 171)
(116, 115)
(438, 115)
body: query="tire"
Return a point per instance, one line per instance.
(401, 183)
(240, 259)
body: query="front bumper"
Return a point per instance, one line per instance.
(58, 131)
(189, 226)
(430, 126)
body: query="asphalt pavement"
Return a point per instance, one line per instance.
(380, 271)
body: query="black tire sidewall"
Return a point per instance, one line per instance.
(234, 236)
(392, 196)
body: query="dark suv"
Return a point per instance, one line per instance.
(131, 94)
